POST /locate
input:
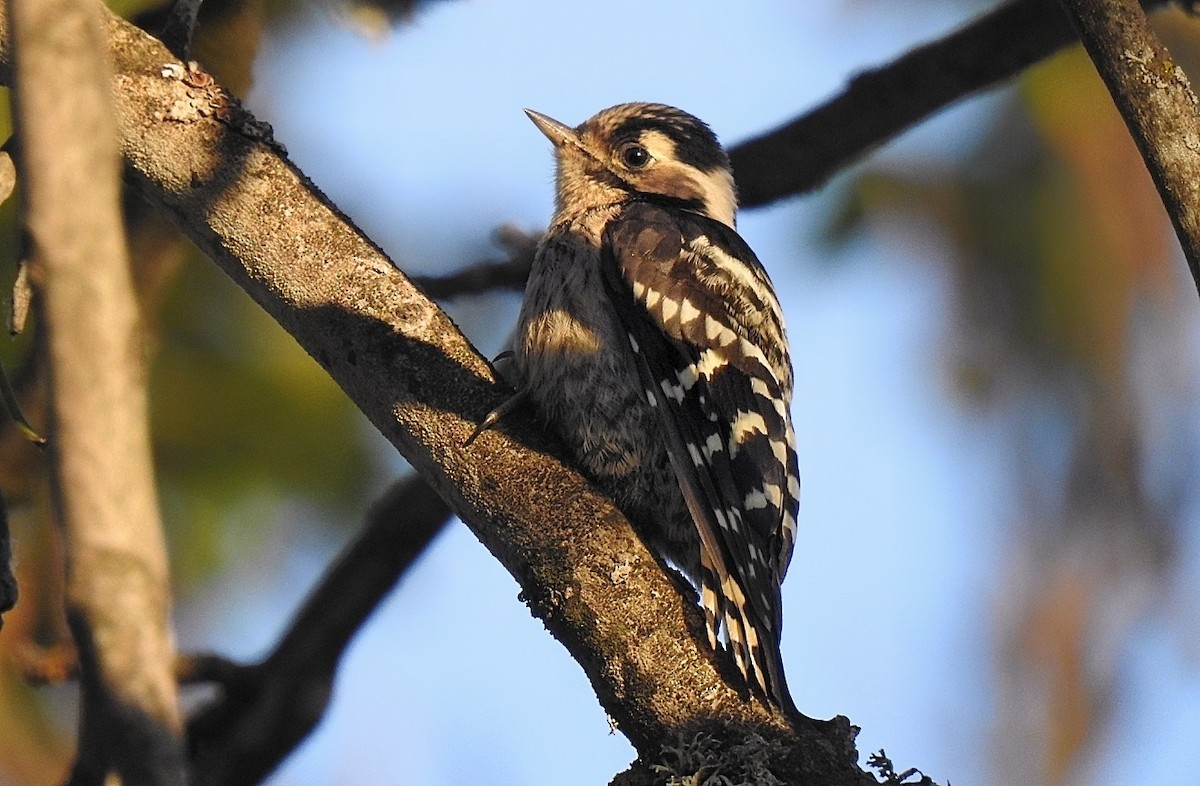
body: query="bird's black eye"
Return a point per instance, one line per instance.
(635, 156)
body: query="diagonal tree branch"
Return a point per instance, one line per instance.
(208, 164)
(881, 103)
(1154, 96)
(268, 708)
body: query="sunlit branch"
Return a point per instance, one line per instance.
(1158, 105)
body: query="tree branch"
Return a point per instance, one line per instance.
(881, 103)
(1158, 105)
(117, 587)
(487, 276)
(583, 571)
(267, 709)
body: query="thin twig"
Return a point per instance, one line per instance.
(488, 276)
(1158, 105)
(180, 28)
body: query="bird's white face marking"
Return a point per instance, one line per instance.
(719, 196)
(713, 190)
(667, 175)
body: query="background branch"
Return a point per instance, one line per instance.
(487, 276)
(881, 103)
(265, 710)
(876, 106)
(104, 497)
(1158, 105)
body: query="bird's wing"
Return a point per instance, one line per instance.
(707, 336)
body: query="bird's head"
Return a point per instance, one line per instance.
(649, 151)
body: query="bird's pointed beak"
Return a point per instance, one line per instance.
(555, 131)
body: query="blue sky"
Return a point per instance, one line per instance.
(420, 138)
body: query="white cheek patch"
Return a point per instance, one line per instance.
(719, 195)
(714, 189)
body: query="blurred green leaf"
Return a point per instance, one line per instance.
(242, 416)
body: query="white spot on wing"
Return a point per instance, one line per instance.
(779, 448)
(669, 308)
(746, 423)
(688, 312)
(774, 494)
(753, 501)
(710, 360)
(717, 333)
(761, 388)
(688, 376)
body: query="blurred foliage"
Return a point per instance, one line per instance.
(1061, 255)
(1054, 222)
(240, 413)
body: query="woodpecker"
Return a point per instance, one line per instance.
(650, 340)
